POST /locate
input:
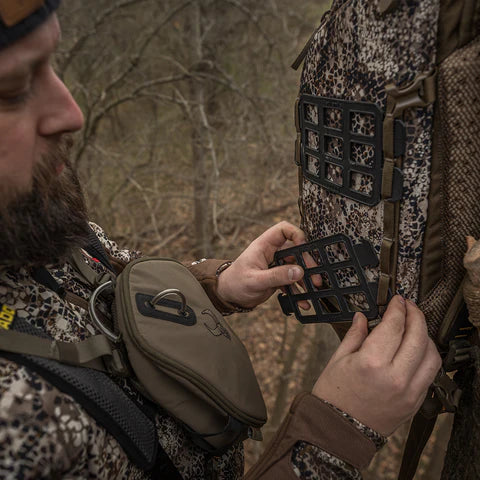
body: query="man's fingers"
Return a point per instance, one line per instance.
(427, 370)
(283, 275)
(311, 263)
(354, 338)
(385, 339)
(415, 341)
(276, 237)
(278, 276)
(303, 304)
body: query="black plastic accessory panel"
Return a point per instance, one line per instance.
(344, 288)
(341, 147)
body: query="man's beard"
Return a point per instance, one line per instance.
(44, 225)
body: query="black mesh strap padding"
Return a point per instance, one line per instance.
(97, 250)
(42, 276)
(102, 399)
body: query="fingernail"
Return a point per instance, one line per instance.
(401, 299)
(355, 318)
(412, 302)
(294, 274)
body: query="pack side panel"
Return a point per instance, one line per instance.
(459, 113)
(353, 56)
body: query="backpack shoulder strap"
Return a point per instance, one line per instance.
(87, 353)
(97, 250)
(132, 425)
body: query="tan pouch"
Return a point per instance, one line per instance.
(184, 354)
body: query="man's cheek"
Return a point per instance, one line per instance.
(16, 166)
(8, 194)
(14, 181)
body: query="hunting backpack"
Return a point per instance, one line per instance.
(388, 155)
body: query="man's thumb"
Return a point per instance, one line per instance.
(279, 276)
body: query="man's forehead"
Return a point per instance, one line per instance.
(30, 49)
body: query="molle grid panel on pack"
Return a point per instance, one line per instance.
(334, 282)
(341, 147)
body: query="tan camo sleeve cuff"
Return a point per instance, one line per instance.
(313, 421)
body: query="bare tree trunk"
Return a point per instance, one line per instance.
(201, 180)
(282, 393)
(321, 350)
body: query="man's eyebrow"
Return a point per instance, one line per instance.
(18, 71)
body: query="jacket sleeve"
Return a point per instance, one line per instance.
(316, 440)
(206, 272)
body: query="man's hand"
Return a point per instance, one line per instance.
(381, 379)
(248, 281)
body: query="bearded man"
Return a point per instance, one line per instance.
(373, 383)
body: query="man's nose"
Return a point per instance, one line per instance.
(59, 112)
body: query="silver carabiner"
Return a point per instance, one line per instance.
(93, 314)
(171, 291)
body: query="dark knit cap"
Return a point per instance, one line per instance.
(19, 18)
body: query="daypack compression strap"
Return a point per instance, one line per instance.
(420, 93)
(87, 353)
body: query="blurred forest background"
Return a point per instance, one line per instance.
(187, 151)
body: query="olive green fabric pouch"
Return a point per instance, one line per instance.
(184, 355)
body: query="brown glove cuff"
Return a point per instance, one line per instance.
(313, 421)
(206, 271)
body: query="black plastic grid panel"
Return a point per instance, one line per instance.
(336, 142)
(354, 258)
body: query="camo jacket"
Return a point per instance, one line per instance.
(45, 433)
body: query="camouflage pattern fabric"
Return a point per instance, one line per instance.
(354, 54)
(44, 433)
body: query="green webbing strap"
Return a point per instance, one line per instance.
(420, 93)
(87, 353)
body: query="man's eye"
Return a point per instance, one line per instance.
(16, 98)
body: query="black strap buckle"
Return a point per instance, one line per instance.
(344, 287)
(443, 396)
(460, 354)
